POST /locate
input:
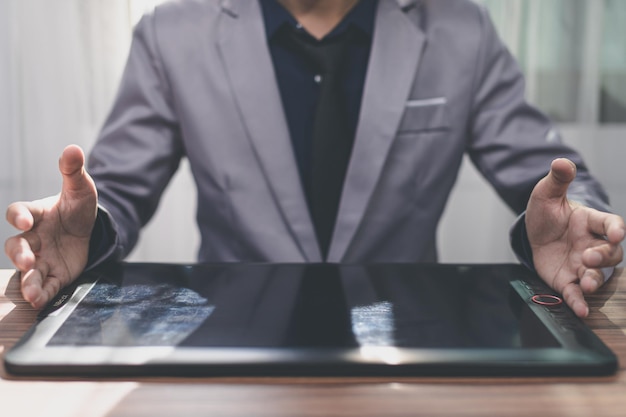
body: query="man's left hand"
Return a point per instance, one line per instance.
(571, 243)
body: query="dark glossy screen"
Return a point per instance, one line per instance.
(304, 306)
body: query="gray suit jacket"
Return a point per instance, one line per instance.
(200, 84)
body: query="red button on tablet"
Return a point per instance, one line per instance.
(547, 300)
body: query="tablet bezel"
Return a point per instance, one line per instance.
(581, 353)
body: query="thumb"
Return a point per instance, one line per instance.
(72, 167)
(554, 185)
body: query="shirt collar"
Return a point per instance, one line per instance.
(361, 16)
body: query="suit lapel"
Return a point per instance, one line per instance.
(243, 47)
(395, 54)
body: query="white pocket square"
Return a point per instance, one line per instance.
(435, 101)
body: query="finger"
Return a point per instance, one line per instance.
(554, 185)
(615, 229)
(51, 287)
(603, 255)
(38, 288)
(32, 286)
(574, 298)
(591, 280)
(605, 224)
(20, 216)
(20, 252)
(72, 168)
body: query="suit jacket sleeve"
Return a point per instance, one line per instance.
(139, 148)
(512, 143)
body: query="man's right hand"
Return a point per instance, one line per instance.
(53, 248)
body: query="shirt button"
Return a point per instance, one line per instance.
(318, 78)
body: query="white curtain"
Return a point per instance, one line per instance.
(613, 74)
(61, 60)
(573, 53)
(60, 65)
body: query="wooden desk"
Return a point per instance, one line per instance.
(275, 397)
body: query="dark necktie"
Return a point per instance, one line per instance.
(332, 142)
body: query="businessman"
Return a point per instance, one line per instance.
(319, 130)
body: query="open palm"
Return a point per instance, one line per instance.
(570, 243)
(53, 247)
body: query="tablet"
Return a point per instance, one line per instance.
(132, 319)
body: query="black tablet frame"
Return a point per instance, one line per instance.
(581, 352)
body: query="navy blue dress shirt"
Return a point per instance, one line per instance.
(298, 81)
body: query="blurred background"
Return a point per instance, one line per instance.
(61, 61)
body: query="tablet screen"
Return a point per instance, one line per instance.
(291, 306)
(351, 315)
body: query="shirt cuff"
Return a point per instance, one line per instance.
(102, 240)
(520, 244)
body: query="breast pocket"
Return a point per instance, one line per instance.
(424, 115)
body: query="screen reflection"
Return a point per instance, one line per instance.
(309, 306)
